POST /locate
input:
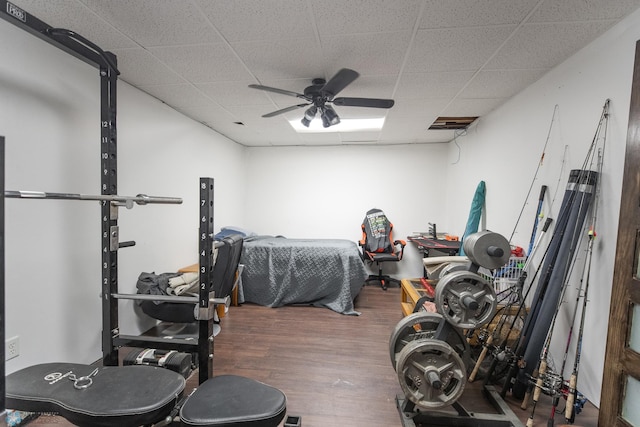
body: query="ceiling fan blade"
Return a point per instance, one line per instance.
(276, 90)
(364, 102)
(342, 79)
(284, 110)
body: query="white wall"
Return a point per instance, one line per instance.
(504, 149)
(324, 192)
(49, 114)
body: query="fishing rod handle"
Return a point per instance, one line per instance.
(571, 396)
(527, 395)
(540, 381)
(481, 357)
(543, 189)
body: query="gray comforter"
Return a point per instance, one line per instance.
(321, 272)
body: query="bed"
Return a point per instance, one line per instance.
(321, 272)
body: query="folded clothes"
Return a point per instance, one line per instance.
(183, 279)
(184, 289)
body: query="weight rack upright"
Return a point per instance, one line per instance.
(112, 340)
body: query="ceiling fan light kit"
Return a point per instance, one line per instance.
(320, 94)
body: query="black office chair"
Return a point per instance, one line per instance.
(378, 245)
(224, 275)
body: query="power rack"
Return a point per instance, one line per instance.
(112, 340)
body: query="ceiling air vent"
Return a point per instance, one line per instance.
(446, 123)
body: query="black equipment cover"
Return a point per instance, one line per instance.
(231, 400)
(116, 396)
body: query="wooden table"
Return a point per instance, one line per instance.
(411, 290)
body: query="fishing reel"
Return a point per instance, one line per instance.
(552, 383)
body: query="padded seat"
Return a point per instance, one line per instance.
(116, 396)
(232, 401)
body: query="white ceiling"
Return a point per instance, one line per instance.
(433, 57)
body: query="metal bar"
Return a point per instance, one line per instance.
(19, 17)
(185, 345)
(163, 298)
(205, 259)
(109, 214)
(2, 289)
(140, 199)
(463, 418)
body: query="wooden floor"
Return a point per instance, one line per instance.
(334, 369)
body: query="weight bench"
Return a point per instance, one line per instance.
(137, 395)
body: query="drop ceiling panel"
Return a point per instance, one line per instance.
(139, 67)
(464, 107)
(583, 10)
(258, 20)
(473, 13)
(433, 57)
(180, 95)
(365, 52)
(73, 15)
(213, 116)
(235, 93)
(537, 46)
(416, 108)
(381, 86)
(156, 23)
(500, 83)
(404, 130)
(337, 17)
(455, 49)
(282, 59)
(203, 63)
(432, 85)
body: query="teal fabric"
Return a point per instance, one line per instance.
(475, 213)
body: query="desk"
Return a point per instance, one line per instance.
(442, 246)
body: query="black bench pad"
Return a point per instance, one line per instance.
(118, 396)
(232, 401)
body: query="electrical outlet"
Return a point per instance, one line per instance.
(12, 348)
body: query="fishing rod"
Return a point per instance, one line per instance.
(570, 410)
(556, 396)
(507, 310)
(500, 350)
(546, 270)
(535, 175)
(543, 190)
(569, 413)
(527, 395)
(541, 373)
(541, 368)
(579, 189)
(513, 264)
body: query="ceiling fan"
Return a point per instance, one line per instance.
(321, 93)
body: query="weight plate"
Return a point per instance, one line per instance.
(465, 299)
(421, 325)
(487, 249)
(431, 374)
(454, 266)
